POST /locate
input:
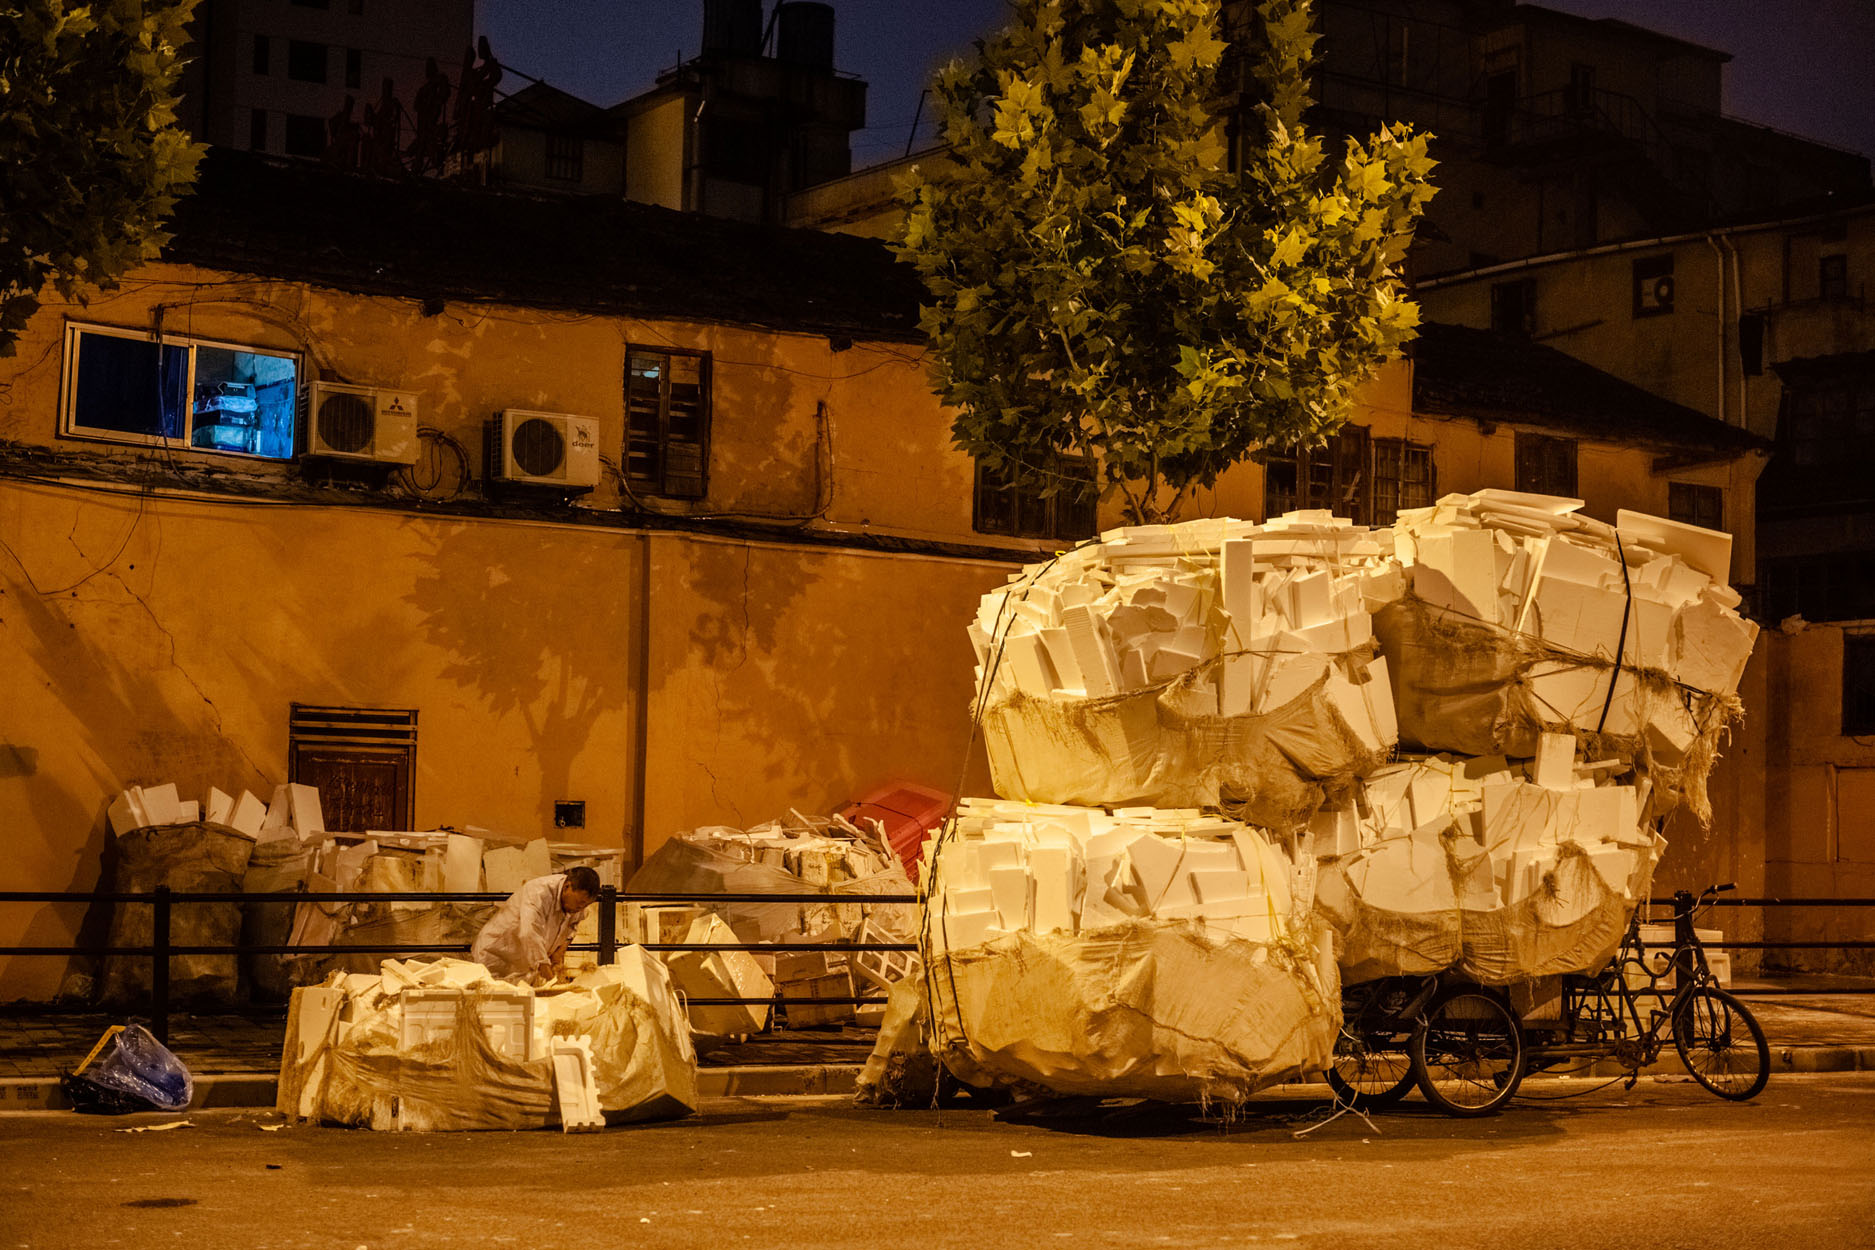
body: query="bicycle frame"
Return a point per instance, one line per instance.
(1601, 1014)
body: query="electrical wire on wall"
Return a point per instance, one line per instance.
(440, 460)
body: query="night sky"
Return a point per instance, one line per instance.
(1799, 65)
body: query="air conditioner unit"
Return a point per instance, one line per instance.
(361, 423)
(543, 449)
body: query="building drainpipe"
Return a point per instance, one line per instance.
(642, 681)
(1738, 298)
(1718, 255)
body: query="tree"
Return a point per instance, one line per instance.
(1103, 286)
(93, 156)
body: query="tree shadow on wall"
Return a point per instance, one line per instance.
(810, 671)
(544, 630)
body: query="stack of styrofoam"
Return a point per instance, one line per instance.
(845, 861)
(442, 1045)
(1505, 871)
(1022, 868)
(1626, 630)
(1167, 665)
(1141, 952)
(294, 811)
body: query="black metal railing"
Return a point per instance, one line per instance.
(163, 900)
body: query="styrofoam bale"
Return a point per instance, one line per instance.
(1027, 661)
(1157, 861)
(1240, 677)
(1650, 638)
(1670, 729)
(1336, 831)
(217, 806)
(1429, 794)
(720, 974)
(1312, 600)
(1060, 653)
(1711, 646)
(1564, 693)
(1290, 673)
(350, 864)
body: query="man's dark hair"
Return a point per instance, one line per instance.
(583, 879)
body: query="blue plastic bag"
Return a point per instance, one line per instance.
(138, 1066)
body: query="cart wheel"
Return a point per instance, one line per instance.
(1369, 1073)
(1468, 1052)
(1721, 1044)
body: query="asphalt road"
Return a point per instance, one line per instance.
(1663, 1166)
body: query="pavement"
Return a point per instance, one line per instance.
(1814, 1023)
(1661, 1165)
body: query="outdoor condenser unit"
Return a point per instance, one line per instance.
(365, 423)
(543, 449)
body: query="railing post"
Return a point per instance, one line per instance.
(608, 924)
(159, 966)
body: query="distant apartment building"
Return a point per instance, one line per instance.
(268, 75)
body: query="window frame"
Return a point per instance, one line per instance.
(298, 48)
(1056, 523)
(1525, 289)
(1386, 510)
(1862, 647)
(571, 154)
(1337, 476)
(1683, 504)
(1832, 276)
(661, 485)
(68, 391)
(1538, 443)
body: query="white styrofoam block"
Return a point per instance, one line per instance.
(967, 929)
(1311, 600)
(1429, 796)
(304, 812)
(161, 805)
(1555, 761)
(1709, 551)
(1061, 658)
(1711, 647)
(188, 811)
(576, 1087)
(1216, 885)
(968, 902)
(1458, 571)
(279, 815)
(462, 864)
(1009, 887)
(536, 860)
(218, 807)
(1367, 708)
(1027, 661)
(1051, 889)
(1093, 651)
(1574, 617)
(247, 816)
(126, 812)
(503, 868)
(1156, 861)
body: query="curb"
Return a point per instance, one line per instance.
(256, 1089)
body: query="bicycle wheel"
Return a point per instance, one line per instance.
(1721, 1044)
(1369, 1073)
(1468, 1052)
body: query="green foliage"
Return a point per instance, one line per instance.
(93, 156)
(1102, 285)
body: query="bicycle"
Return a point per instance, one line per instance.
(1459, 1042)
(1717, 1038)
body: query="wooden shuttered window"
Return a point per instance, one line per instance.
(1068, 514)
(667, 421)
(1336, 476)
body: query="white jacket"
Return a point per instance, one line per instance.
(525, 930)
